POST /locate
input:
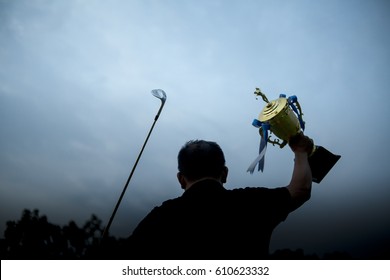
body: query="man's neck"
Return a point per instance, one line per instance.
(191, 183)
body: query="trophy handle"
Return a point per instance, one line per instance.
(294, 104)
(276, 142)
(272, 141)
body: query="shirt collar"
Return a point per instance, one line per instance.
(204, 186)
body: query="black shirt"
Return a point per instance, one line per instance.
(211, 222)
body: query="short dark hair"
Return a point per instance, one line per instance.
(200, 158)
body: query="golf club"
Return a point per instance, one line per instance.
(160, 94)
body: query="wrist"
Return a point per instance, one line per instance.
(301, 155)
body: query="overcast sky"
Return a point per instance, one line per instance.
(75, 107)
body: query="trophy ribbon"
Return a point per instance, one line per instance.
(260, 159)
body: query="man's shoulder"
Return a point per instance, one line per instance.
(259, 190)
(169, 203)
(165, 210)
(260, 195)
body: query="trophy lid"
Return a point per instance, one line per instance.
(272, 109)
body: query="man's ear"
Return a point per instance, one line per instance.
(224, 174)
(182, 180)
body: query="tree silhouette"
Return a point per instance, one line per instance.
(34, 237)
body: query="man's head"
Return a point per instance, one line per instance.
(200, 159)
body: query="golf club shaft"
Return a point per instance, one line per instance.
(107, 228)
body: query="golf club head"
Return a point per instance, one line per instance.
(160, 94)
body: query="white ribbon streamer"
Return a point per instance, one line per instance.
(252, 167)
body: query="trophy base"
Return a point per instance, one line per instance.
(321, 162)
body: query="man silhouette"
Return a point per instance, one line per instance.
(211, 222)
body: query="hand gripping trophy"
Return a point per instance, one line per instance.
(283, 117)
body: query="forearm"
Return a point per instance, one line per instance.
(301, 179)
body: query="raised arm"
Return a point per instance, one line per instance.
(300, 184)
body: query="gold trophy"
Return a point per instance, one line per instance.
(283, 118)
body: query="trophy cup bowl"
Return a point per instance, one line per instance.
(283, 117)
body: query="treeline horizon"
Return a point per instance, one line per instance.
(34, 237)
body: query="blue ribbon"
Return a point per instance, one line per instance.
(291, 100)
(263, 145)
